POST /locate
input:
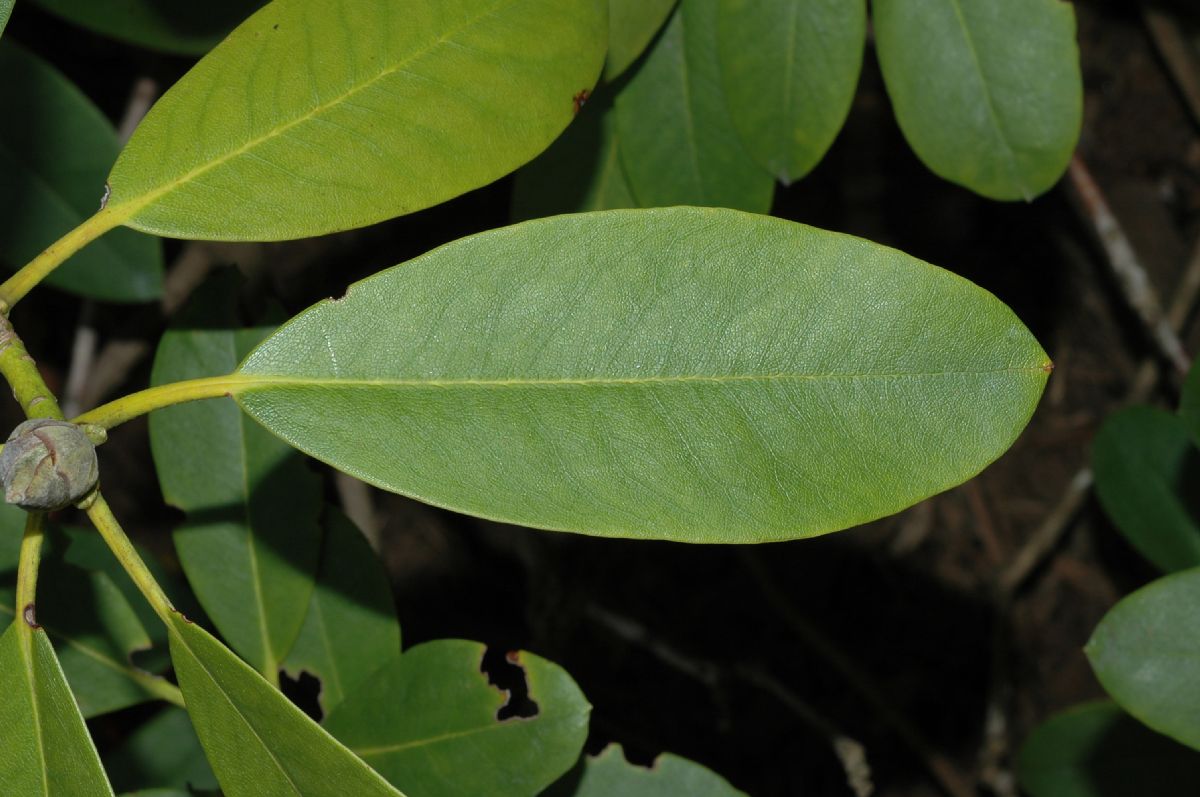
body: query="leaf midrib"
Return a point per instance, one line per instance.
(130, 207)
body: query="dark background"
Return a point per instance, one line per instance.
(745, 658)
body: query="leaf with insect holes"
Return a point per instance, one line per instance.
(259, 743)
(55, 149)
(47, 749)
(631, 27)
(314, 117)
(609, 774)
(1097, 750)
(433, 712)
(172, 27)
(789, 71)
(694, 374)
(1146, 653)
(989, 94)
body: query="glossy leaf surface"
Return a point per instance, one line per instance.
(631, 26)
(258, 743)
(163, 752)
(1146, 653)
(351, 629)
(55, 148)
(173, 26)
(1148, 480)
(251, 542)
(428, 722)
(46, 748)
(95, 634)
(315, 117)
(581, 171)
(1097, 750)
(685, 373)
(609, 774)
(789, 70)
(988, 94)
(678, 143)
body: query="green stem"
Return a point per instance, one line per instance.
(22, 374)
(21, 283)
(129, 407)
(118, 542)
(27, 571)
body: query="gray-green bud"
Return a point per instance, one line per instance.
(47, 465)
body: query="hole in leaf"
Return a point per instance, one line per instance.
(505, 672)
(303, 690)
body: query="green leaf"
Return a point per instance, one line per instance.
(258, 743)
(428, 723)
(251, 541)
(610, 775)
(1147, 472)
(1189, 404)
(95, 633)
(351, 629)
(12, 528)
(581, 171)
(631, 26)
(321, 116)
(678, 143)
(185, 28)
(693, 374)
(1097, 750)
(55, 148)
(988, 94)
(789, 71)
(6, 7)
(1146, 653)
(163, 752)
(46, 747)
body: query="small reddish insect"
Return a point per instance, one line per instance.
(580, 99)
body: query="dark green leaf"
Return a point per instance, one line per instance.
(251, 542)
(351, 628)
(678, 144)
(789, 70)
(173, 26)
(55, 148)
(1097, 750)
(259, 744)
(581, 171)
(46, 747)
(686, 373)
(631, 26)
(1189, 405)
(320, 116)
(12, 528)
(1146, 653)
(988, 93)
(1147, 477)
(610, 775)
(164, 752)
(428, 722)
(6, 7)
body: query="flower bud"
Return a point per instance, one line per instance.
(47, 465)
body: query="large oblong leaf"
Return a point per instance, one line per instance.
(989, 94)
(258, 743)
(1147, 478)
(789, 70)
(610, 775)
(321, 116)
(693, 374)
(631, 26)
(1146, 653)
(46, 750)
(430, 723)
(177, 26)
(678, 144)
(55, 148)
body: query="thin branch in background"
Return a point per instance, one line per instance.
(359, 505)
(944, 772)
(850, 753)
(1131, 276)
(1177, 53)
